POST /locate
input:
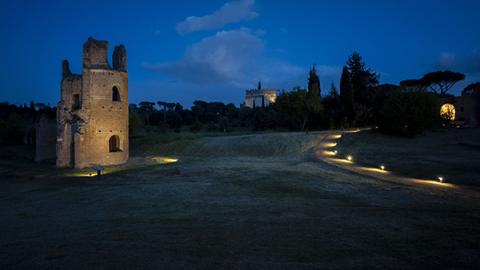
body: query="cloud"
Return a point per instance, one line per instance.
(237, 58)
(469, 64)
(230, 12)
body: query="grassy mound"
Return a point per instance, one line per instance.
(212, 145)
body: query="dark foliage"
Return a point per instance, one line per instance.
(471, 89)
(347, 96)
(17, 122)
(314, 89)
(408, 113)
(332, 117)
(363, 80)
(406, 110)
(440, 82)
(414, 85)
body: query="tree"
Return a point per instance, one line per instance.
(297, 105)
(147, 106)
(178, 107)
(333, 108)
(471, 89)
(346, 94)
(408, 113)
(164, 105)
(135, 122)
(333, 91)
(170, 106)
(362, 78)
(314, 89)
(414, 85)
(440, 82)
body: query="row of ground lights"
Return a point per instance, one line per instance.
(382, 167)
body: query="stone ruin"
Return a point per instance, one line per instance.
(92, 115)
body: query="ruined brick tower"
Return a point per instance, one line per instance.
(92, 115)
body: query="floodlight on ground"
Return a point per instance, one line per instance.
(349, 158)
(440, 179)
(329, 144)
(382, 167)
(165, 160)
(98, 169)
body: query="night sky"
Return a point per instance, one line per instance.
(181, 51)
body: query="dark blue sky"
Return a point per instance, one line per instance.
(212, 50)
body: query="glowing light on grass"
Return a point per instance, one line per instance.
(165, 160)
(434, 183)
(349, 158)
(81, 174)
(376, 170)
(339, 160)
(329, 144)
(440, 179)
(336, 136)
(382, 167)
(329, 153)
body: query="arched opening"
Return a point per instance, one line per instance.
(115, 94)
(447, 112)
(114, 144)
(76, 102)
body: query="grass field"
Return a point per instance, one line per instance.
(248, 201)
(453, 154)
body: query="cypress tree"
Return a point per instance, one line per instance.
(346, 94)
(313, 83)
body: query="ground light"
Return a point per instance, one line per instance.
(329, 153)
(335, 152)
(165, 160)
(440, 179)
(382, 167)
(98, 170)
(349, 158)
(329, 144)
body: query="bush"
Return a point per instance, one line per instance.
(408, 113)
(197, 126)
(362, 115)
(135, 124)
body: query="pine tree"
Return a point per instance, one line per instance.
(346, 94)
(333, 91)
(362, 78)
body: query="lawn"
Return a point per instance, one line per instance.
(242, 201)
(453, 154)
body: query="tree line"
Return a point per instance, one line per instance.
(405, 109)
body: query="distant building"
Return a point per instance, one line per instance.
(462, 110)
(259, 97)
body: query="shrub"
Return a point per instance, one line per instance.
(197, 126)
(408, 113)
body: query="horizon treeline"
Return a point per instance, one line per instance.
(406, 109)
